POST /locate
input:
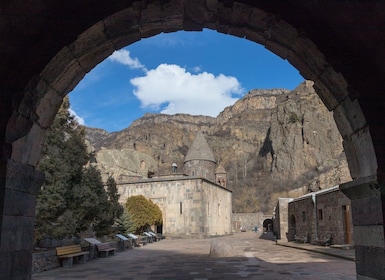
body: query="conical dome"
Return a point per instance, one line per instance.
(220, 170)
(199, 149)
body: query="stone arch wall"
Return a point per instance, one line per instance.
(48, 76)
(72, 62)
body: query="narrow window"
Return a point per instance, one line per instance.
(180, 208)
(303, 216)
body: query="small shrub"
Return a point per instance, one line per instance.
(293, 118)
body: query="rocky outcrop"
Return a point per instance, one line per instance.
(124, 164)
(271, 142)
(306, 147)
(302, 151)
(255, 100)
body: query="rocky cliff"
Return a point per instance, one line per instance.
(271, 142)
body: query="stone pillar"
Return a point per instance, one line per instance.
(282, 215)
(19, 185)
(368, 208)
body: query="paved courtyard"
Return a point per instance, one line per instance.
(252, 258)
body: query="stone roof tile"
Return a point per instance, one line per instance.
(220, 170)
(199, 149)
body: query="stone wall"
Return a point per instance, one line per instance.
(47, 258)
(191, 207)
(301, 218)
(321, 214)
(280, 219)
(200, 168)
(43, 261)
(336, 217)
(248, 221)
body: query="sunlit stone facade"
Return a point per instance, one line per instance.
(192, 204)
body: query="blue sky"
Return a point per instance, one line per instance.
(198, 73)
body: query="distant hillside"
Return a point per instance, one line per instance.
(271, 142)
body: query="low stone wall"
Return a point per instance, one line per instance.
(248, 221)
(46, 260)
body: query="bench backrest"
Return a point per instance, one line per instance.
(103, 246)
(65, 250)
(92, 241)
(122, 237)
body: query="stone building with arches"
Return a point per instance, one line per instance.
(195, 203)
(47, 47)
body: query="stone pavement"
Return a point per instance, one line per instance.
(252, 258)
(337, 251)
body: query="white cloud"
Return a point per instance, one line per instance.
(171, 89)
(79, 119)
(197, 69)
(123, 57)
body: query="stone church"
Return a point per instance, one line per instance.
(195, 203)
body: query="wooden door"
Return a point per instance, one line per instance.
(347, 224)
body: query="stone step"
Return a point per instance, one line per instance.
(343, 246)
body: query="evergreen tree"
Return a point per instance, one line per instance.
(111, 210)
(125, 224)
(63, 156)
(88, 199)
(113, 197)
(72, 197)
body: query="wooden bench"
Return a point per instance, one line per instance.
(138, 239)
(105, 249)
(159, 235)
(142, 239)
(154, 236)
(67, 255)
(299, 239)
(125, 241)
(326, 241)
(150, 237)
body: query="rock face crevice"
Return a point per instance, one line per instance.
(271, 143)
(306, 141)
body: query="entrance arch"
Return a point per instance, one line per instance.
(327, 49)
(268, 225)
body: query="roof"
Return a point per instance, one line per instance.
(220, 170)
(179, 178)
(199, 149)
(320, 192)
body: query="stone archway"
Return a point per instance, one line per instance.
(268, 225)
(287, 30)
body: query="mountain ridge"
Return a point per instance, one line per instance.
(271, 143)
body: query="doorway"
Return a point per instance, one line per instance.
(347, 224)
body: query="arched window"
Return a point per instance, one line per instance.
(142, 164)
